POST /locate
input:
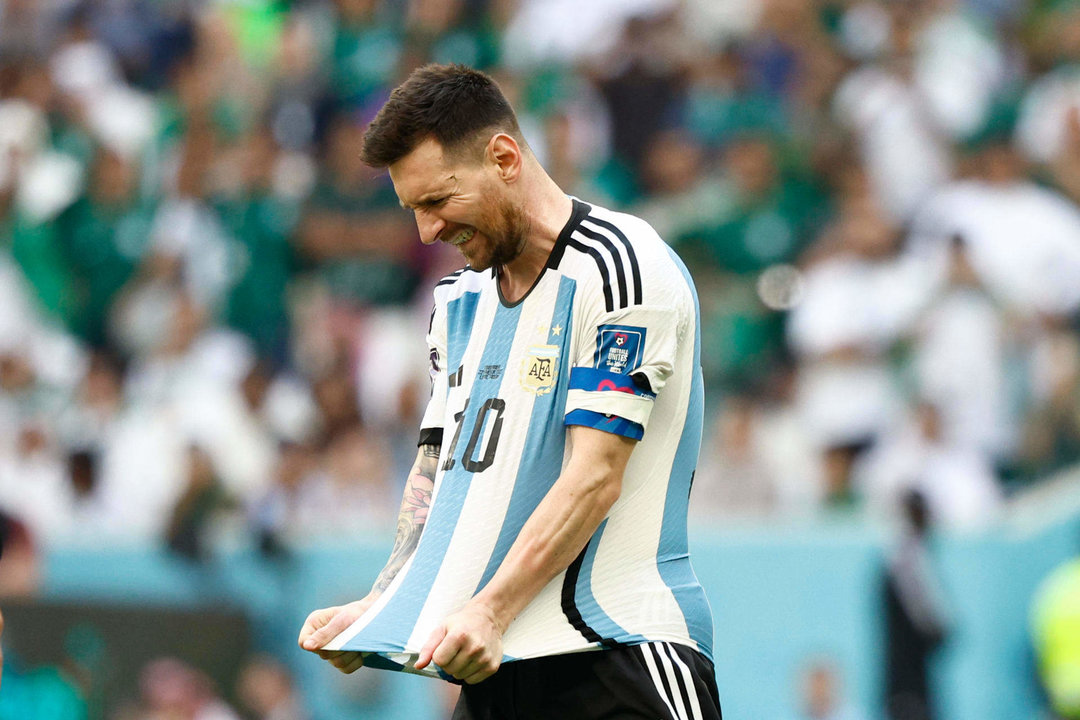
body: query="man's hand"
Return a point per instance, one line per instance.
(468, 645)
(324, 625)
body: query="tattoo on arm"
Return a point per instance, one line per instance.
(413, 515)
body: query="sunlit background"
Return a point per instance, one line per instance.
(212, 361)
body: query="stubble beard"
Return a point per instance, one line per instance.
(507, 238)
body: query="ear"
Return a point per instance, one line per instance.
(505, 154)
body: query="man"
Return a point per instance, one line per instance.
(916, 620)
(545, 516)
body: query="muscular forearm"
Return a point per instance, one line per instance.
(412, 517)
(560, 526)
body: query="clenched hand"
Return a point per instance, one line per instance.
(467, 645)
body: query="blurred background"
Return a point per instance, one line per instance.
(212, 362)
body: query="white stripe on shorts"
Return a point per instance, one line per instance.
(646, 651)
(691, 690)
(673, 683)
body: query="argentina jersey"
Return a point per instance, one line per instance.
(608, 338)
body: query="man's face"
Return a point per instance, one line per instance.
(462, 202)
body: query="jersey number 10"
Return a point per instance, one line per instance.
(498, 405)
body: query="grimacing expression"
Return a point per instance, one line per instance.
(462, 202)
(506, 237)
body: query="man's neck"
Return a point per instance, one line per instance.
(548, 209)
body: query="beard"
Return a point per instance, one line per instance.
(509, 228)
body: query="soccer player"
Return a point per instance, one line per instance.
(541, 553)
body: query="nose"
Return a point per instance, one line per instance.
(430, 225)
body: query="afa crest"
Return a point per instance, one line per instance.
(539, 369)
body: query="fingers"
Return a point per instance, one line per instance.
(338, 623)
(356, 664)
(461, 657)
(315, 621)
(428, 651)
(473, 667)
(446, 655)
(324, 625)
(347, 662)
(477, 677)
(468, 653)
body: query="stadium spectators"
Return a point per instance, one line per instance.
(181, 201)
(266, 690)
(759, 462)
(20, 573)
(878, 201)
(955, 478)
(916, 619)
(821, 693)
(174, 689)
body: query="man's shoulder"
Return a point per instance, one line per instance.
(622, 256)
(633, 228)
(459, 282)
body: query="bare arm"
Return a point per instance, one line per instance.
(412, 517)
(562, 523)
(325, 624)
(469, 644)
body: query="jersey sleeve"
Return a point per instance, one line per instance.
(431, 426)
(622, 359)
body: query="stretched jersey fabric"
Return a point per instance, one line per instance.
(607, 337)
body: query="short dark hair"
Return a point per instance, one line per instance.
(451, 103)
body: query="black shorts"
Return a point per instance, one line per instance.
(653, 681)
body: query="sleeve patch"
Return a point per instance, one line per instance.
(608, 423)
(619, 348)
(593, 380)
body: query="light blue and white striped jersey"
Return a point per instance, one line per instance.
(607, 337)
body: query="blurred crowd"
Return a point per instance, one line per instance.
(167, 687)
(211, 313)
